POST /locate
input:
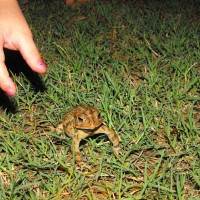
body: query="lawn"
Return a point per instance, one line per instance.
(138, 63)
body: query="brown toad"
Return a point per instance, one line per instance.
(83, 121)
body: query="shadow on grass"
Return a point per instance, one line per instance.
(16, 64)
(6, 103)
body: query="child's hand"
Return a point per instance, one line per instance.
(16, 35)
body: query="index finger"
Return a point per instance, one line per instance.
(31, 54)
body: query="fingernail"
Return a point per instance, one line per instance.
(10, 92)
(42, 65)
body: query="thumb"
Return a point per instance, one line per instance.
(6, 83)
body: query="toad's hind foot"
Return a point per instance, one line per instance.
(112, 136)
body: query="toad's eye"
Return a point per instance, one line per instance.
(99, 116)
(80, 119)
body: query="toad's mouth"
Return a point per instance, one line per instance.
(89, 128)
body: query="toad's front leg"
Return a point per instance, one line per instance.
(76, 139)
(111, 135)
(76, 150)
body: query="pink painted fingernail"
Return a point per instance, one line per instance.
(42, 65)
(10, 92)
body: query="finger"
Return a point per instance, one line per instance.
(31, 55)
(6, 83)
(70, 2)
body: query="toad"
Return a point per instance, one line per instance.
(83, 121)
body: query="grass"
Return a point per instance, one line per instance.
(138, 63)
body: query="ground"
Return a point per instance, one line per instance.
(138, 63)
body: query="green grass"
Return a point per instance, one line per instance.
(138, 63)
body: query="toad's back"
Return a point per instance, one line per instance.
(83, 117)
